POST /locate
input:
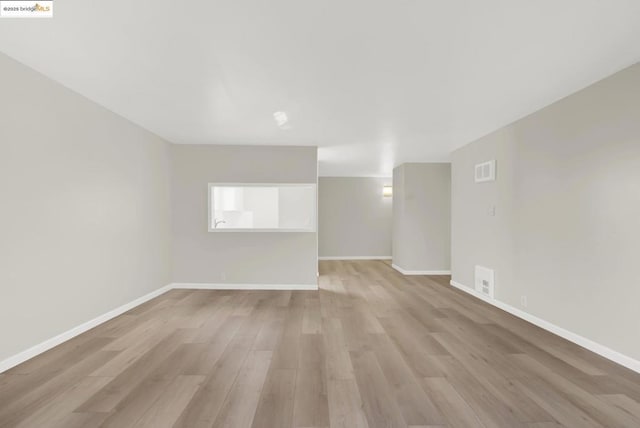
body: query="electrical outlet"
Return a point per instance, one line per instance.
(523, 301)
(492, 211)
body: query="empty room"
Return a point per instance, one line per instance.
(299, 214)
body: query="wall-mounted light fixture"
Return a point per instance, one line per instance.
(387, 191)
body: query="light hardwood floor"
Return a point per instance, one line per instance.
(371, 348)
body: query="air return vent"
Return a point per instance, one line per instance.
(486, 171)
(484, 281)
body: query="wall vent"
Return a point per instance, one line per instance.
(486, 171)
(484, 281)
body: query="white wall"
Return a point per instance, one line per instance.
(277, 258)
(297, 207)
(422, 217)
(354, 217)
(566, 233)
(84, 210)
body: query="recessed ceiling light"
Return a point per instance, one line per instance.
(282, 120)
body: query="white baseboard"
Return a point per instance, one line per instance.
(70, 334)
(355, 258)
(420, 272)
(589, 344)
(207, 286)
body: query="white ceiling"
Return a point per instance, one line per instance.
(372, 83)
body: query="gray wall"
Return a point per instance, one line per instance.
(567, 228)
(238, 257)
(422, 216)
(84, 210)
(354, 218)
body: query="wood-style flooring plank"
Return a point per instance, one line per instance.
(311, 408)
(169, 406)
(379, 406)
(594, 406)
(345, 404)
(275, 408)
(59, 408)
(416, 407)
(240, 406)
(14, 411)
(121, 386)
(208, 400)
(456, 411)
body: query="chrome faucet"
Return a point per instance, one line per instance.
(217, 222)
